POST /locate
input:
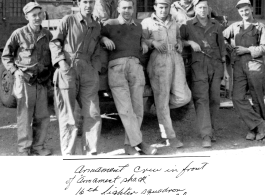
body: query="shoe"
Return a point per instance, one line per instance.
(261, 131)
(251, 136)
(206, 142)
(131, 150)
(42, 152)
(213, 138)
(24, 153)
(175, 142)
(147, 149)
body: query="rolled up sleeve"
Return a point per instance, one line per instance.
(147, 33)
(258, 51)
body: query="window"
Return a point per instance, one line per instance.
(145, 5)
(257, 7)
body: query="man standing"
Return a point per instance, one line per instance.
(247, 39)
(122, 36)
(205, 37)
(28, 57)
(166, 68)
(75, 54)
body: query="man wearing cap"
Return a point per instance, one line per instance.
(123, 37)
(75, 54)
(166, 68)
(247, 40)
(27, 56)
(208, 67)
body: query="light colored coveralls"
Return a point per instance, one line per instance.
(105, 9)
(29, 52)
(166, 71)
(77, 43)
(249, 72)
(126, 81)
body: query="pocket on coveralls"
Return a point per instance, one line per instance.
(65, 79)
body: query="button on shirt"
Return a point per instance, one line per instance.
(76, 38)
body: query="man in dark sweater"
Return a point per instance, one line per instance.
(122, 36)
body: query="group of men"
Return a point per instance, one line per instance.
(181, 36)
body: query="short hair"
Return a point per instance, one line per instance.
(119, 1)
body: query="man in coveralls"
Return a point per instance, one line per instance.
(28, 57)
(166, 68)
(123, 37)
(247, 39)
(75, 54)
(204, 35)
(105, 9)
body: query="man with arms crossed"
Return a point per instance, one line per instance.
(247, 39)
(75, 54)
(205, 37)
(122, 36)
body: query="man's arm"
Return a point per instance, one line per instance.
(56, 44)
(96, 58)
(184, 34)
(10, 50)
(258, 51)
(104, 38)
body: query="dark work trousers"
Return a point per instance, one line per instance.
(249, 76)
(205, 86)
(81, 83)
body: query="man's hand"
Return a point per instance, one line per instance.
(19, 75)
(160, 47)
(195, 46)
(108, 43)
(63, 65)
(144, 48)
(179, 47)
(241, 50)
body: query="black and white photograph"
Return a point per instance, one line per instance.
(132, 97)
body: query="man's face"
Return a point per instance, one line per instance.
(86, 6)
(126, 9)
(162, 10)
(245, 12)
(35, 17)
(201, 9)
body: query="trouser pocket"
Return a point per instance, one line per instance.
(65, 79)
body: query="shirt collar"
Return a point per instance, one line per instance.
(195, 20)
(123, 21)
(154, 17)
(30, 30)
(241, 23)
(80, 18)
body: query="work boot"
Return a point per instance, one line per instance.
(42, 152)
(261, 131)
(206, 142)
(147, 149)
(131, 150)
(251, 136)
(174, 142)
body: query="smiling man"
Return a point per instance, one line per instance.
(123, 37)
(75, 54)
(28, 57)
(166, 68)
(247, 40)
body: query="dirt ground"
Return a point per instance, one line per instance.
(230, 133)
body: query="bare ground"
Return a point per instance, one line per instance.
(230, 133)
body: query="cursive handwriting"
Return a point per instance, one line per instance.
(82, 169)
(113, 190)
(188, 169)
(160, 191)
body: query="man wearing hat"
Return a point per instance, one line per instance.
(247, 40)
(123, 37)
(208, 67)
(166, 68)
(75, 54)
(27, 56)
